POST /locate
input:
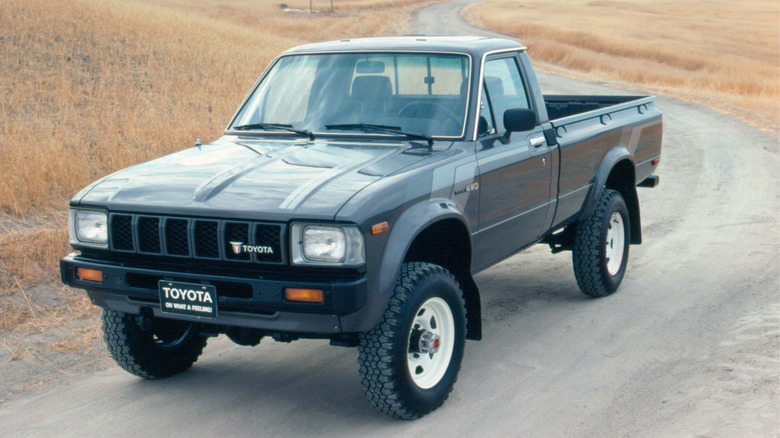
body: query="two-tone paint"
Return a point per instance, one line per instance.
(467, 204)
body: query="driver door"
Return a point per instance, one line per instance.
(515, 169)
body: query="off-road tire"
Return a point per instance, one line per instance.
(166, 348)
(590, 247)
(384, 351)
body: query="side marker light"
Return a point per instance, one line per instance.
(379, 228)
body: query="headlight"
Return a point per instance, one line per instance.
(89, 227)
(327, 245)
(324, 244)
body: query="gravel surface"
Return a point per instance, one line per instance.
(689, 346)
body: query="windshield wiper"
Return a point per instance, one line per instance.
(383, 128)
(276, 126)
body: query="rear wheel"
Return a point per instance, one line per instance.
(601, 246)
(155, 349)
(409, 362)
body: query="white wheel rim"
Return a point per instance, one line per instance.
(616, 241)
(434, 317)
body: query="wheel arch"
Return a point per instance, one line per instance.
(618, 172)
(447, 243)
(427, 232)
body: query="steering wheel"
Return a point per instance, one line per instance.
(426, 110)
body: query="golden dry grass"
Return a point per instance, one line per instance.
(722, 53)
(32, 304)
(30, 257)
(88, 87)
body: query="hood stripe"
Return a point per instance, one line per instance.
(223, 180)
(306, 190)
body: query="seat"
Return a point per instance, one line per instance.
(372, 93)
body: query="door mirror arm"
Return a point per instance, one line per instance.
(504, 139)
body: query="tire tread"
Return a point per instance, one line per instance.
(586, 256)
(130, 350)
(379, 378)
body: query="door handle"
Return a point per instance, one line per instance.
(537, 141)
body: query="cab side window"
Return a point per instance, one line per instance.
(505, 88)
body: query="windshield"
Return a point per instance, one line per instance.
(413, 92)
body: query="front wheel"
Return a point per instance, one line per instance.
(601, 246)
(409, 362)
(159, 348)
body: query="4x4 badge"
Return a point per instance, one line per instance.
(469, 188)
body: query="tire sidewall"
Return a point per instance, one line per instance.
(615, 205)
(444, 287)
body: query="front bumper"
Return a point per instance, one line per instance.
(246, 299)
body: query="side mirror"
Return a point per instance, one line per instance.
(518, 120)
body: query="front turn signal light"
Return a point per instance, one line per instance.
(304, 295)
(89, 274)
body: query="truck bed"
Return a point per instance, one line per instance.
(560, 106)
(590, 127)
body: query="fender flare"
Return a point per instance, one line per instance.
(612, 158)
(402, 233)
(408, 226)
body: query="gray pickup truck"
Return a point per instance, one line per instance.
(355, 193)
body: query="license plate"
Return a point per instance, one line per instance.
(188, 298)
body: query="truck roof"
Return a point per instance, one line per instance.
(473, 45)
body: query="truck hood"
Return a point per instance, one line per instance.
(251, 178)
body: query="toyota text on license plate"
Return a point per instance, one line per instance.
(188, 298)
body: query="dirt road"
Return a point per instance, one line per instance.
(689, 346)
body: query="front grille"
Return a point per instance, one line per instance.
(210, 239)
(207, 239)
(149, 235)
(177, 240)
(122, 233)
(264, 234)
(236, 234)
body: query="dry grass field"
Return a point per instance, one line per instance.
(88, 87)
(721, 53)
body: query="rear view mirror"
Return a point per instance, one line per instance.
(518, 120)
(370, 67)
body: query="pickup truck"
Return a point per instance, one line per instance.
(355, 193)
